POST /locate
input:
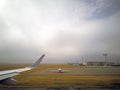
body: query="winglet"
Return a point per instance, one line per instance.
(37, 62)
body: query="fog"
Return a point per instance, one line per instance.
(64, 30)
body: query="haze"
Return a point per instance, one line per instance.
(64, 30)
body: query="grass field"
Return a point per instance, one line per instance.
(43, 77)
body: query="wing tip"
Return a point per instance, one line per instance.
(37, 62)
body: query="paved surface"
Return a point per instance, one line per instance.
(84, 71)
(74, 71)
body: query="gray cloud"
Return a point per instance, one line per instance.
(65, 30)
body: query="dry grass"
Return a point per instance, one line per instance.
(64, 80)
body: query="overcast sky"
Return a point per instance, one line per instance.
(64, 30)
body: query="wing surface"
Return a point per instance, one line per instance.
(10, 73)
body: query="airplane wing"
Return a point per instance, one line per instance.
(5, 76)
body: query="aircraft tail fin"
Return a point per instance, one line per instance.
(37, 62)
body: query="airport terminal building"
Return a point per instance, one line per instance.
(97, 63)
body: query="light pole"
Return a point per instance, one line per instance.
(105, 55)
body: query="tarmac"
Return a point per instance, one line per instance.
(84, 71)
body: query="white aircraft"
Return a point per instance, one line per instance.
(60, 70)
(6, 75)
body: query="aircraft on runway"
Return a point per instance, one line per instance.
(60, 70)
(6, 75)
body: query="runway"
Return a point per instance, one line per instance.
(83, 71)
(76, 78)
